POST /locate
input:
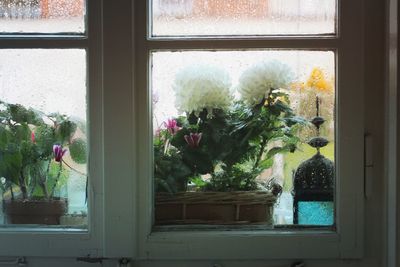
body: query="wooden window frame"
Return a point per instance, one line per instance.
(346, 241)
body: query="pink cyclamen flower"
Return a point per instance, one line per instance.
(172, 126)
(59, 152)
(193, 139)
(33, 137)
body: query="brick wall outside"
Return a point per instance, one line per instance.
(62, 8)
(231, 8)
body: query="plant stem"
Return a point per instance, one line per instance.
(75, 170)
(261, 152)
(12, 192)
(42, 184)
(57, 179)
(166, 147)
(48, 167)
(33, 186)
(317, 103)
(43, 179)
(22, 185)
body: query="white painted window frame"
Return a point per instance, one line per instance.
(120, 166)
(347, 240)
(107, 221)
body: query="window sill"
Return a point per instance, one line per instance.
(245, 245)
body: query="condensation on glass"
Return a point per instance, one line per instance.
(43, 137)
(42, 16)
(261, 122)
(242, 17)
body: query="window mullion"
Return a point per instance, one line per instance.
(47, 43)
(119, 189)
(281, 43)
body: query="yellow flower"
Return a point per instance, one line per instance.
(318, 82)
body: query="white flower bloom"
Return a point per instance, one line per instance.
(202, 87)
(256, 82)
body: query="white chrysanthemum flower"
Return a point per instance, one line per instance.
(202, 87)
(256, 82)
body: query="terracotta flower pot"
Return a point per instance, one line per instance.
(34, 211)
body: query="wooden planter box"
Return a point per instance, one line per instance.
(215, 208)
(41, 212)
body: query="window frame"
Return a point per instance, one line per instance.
(121, 152)
(347, 240)
(64, 242)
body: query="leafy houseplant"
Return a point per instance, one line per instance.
(32, 166)
(222, 144)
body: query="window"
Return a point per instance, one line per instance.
(126, 61)
(44, 123)
(49, 116)
(191, 48)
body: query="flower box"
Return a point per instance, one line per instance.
(240, 207)
(42, 212)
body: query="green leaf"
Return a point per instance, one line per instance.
(5, 136)
(198, 181)
(45, 139)
(266, 163)
(28, 152)
(161, 185)
(20, 114)
(291, 121)
(200, 160)
(65, 131)
(22, 132)
(78, 151)
(276, 150)
(178, 140)
(54, 171)
(11, 163)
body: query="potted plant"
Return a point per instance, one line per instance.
(33, 146)
(222, 144)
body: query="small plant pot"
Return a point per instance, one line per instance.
(42, 212)
(215, 208)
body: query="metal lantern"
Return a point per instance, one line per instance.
(313, 183)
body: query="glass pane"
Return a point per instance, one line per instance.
(43, 171)
(244, 137)
(242, 17)
(315, 213)
(42, 16)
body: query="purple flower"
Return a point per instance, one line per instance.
(193, 139)
(59, 152)
(172, 126)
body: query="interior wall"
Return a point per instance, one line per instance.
(375, 220)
